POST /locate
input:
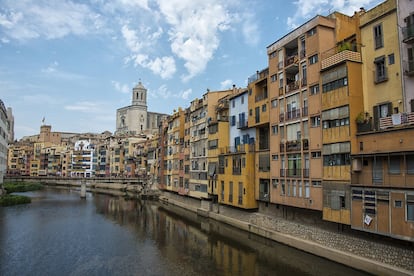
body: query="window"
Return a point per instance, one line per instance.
(273, 78)
(212, 144)
(282, 185)
(275, 182)
(391, 59)
(313, 59)
(231, 192)
(233, 120)
(394, 165)
(335, 84)
(410, 164)
(397, 203)
(314, 89)
(316, 154)
(275, 157)
(378, 39)
(311, 32)
(307, 189)
(337, 159)
(274, 103)
(233, 103)
(316, 183)
(316, 121)
(380, 70)
(275, 130)
(273, 54)
(264, 108)
(410, 207)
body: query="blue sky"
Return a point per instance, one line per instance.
(75, 62)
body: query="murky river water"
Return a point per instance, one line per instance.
(61, 234)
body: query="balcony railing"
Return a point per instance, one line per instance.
(340, 54)
(305, 111)
(293, 146)
(292, 60)
(408, 34)
(294, 172)
(409, 67)
(292, 86)
(242, 124)
(396, 120)
(293, 114)
(380, 77)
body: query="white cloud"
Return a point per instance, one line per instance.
(51, 68)
(250, 29)
(195, 26)
(86, 107)
(226, 84)
(22, 20)
(164, 93)
(186, 94)
(123, 88)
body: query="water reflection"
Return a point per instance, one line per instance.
(61, 234)
(209, 247)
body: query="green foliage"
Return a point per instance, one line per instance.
(9, 200)
(344, 46)
(12, 187)
(360, 119)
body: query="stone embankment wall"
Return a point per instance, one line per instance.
(376, 256)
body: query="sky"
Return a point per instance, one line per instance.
(74, 63)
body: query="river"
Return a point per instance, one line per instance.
(61, 234)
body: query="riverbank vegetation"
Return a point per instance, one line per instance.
(13, 187)
(9, 199)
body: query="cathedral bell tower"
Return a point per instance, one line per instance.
(139, 95)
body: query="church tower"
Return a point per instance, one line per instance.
(139, 95)
(132, 119)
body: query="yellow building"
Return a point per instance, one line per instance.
(342, 101)
(175, 153)
(218, 137)
(295, 114)
(258, 119)
(201, 110)
(382, 176)
(236, 159)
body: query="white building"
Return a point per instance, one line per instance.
(83, 159)
(240, 133)
(4, 126)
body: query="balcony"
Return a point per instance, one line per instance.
(242, 124)
(380, 76)
(293, 114)
(282, 147)
(292, 86)
(409, 67)
(396, 120)
(293, 145)
(337, 55)
(294, 172)
(408, 34)
(293, 59)
(281, 117)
